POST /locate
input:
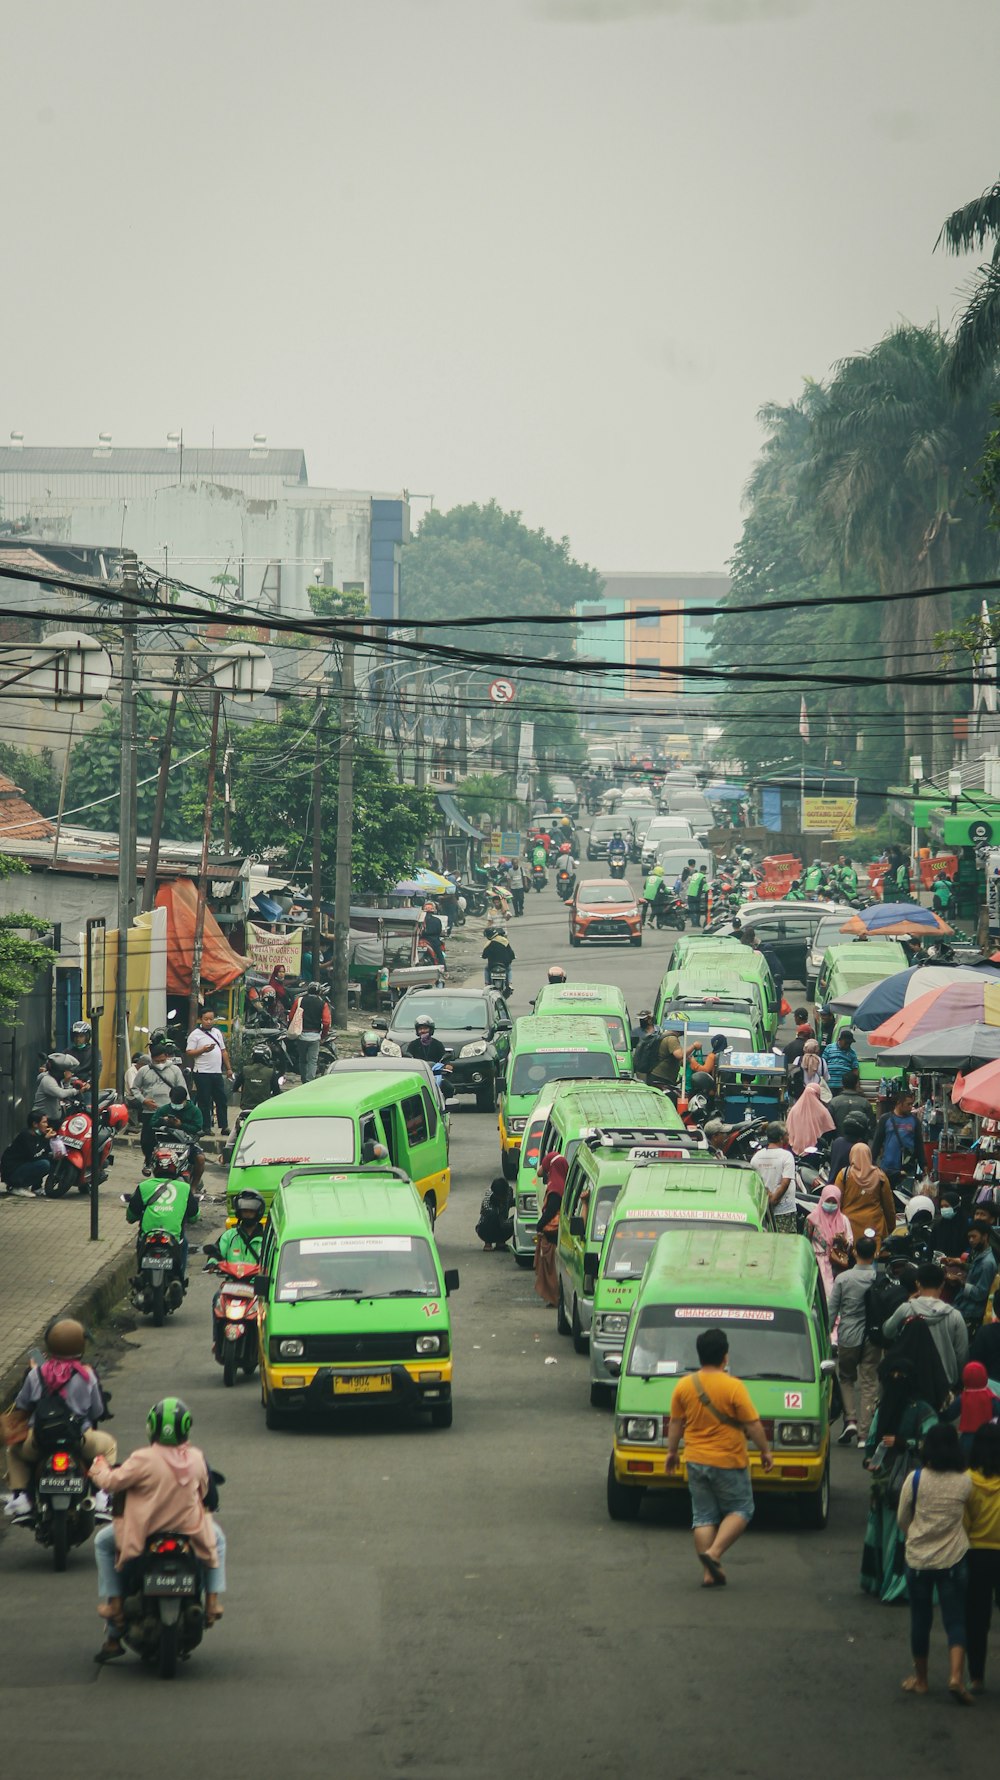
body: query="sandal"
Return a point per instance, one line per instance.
(912, 1685)
(715, 1570)
(959, 1694)
(110, 1651)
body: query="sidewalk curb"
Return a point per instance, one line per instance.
(90, 1304)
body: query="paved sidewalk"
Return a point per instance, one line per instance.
(48, 1263)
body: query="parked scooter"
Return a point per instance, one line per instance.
(670, 911)
(75, 1143)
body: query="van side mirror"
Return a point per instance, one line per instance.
(450, 1281)
(590, 1264)
(261, 1283)
(577, 1226)
(374, 1152)
(827, 1368)
(613, 1362)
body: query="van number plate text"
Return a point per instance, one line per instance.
(362, 1384)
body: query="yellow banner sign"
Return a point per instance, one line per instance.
(836, 814)
(266, 949)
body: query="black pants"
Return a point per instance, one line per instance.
(210, 1093)
(984, 1581)
(517, 896)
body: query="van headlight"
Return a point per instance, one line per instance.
(614, 1322)
(291, 1350)
(527, 1202)
(797, 1434)
(476, 1049)
(516, 1126)
(428, 1344)
(637, 1427)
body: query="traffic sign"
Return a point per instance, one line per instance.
(501, 691)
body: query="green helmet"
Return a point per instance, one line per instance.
(169, 1422)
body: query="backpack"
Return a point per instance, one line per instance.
(917, 1346)
(883, 1296)
(55, 1422)
(646, 1052)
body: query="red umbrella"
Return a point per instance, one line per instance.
(979, 1091)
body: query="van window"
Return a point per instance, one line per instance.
(617, 1033)
(431, 1110)
(604, 1205)
(414, 1119)
(356, 1267)
(531, 1143)
(265, 1142)
(533, 1069)
(762, 1343)
(371, 1131)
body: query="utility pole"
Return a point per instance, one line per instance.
(206, 836)
(345, 836)
(127, 813)
(317, 838)
(152, 858)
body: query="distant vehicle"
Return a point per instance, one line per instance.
(604, 908)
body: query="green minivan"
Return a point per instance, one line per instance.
(605, 1000)
(766, 1292)
(851, 966)
(353, 1298)
(657, 1196)
(344, 1121)
(601, 1162)
(732, 970)
(547, 1048)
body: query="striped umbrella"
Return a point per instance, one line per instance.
(972, 1003)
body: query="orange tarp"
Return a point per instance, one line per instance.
(220, 965)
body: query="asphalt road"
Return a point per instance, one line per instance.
(405, 1602)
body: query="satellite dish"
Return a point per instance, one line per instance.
(243, 671)
(69, 670)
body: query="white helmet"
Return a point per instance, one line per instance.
(920, 1202)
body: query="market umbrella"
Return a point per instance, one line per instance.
(975, 1002)
(895, 919)
(979, 1092)
(408, 887)
(955, 1047)
(432, 881)
(875, 1002)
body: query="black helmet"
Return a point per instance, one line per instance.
(423, 1023)
(856, 1126)
(249, 1206)
(260, 1054)
(702, 1083)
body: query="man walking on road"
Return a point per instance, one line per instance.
(208, 1058)
(858, 1358)
(715, 1415)
(695, 890)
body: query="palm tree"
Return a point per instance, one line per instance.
(977, 337)
(894, 448)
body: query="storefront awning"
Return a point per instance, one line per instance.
(453, 815)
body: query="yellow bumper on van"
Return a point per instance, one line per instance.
(510, 1141)
(793, 1471)
(300, 1378)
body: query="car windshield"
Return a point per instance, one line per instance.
(600, 893)
(266, 1143)
(456, 1013)
(763, 1344)
(673, 862)
(828, 934)
(356, 1267)
(633, 1240)
(534, 1068)
(607, 825)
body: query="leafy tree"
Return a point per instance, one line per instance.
(95, 765)
(977, 337)
(272, 795)
(21, 958)
(34, 773)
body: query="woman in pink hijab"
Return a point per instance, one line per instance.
(807, 1120)
(831, 1235)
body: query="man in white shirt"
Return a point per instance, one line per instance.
(207, 1056)
(776, 1167)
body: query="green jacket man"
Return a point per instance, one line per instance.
(163, 1205)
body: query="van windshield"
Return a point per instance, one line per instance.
(356, 1267)
(534, 1068)
(633, 1240)
(763, 1344)
(266, 1143)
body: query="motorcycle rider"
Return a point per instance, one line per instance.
(617, 850)
(258, 1080)
(539, 856)
(433, 930)
(167, 1485)
(152, 1085)
(54, 1090)
(425, 1045)
(845, 876)
(815, 878)
(164, 1205)
(65, 1376)
(566, 863)
(82, 1046)
(498, 954)
(180, 1117)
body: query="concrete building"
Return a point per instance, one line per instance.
(649, 624)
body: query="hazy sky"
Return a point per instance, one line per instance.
(552, 251)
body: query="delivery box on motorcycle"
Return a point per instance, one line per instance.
(353, 1298)
(658, 1196)
(343, 1120)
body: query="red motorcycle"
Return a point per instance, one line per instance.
(76, 1135)
(235, 1314)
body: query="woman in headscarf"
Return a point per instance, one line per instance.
(976, 1405)
(807, 1120)
(496, 1226)
(810, 1068)
(553, 1170)
(898, 1427)
(831, 1235)
(866, 1195)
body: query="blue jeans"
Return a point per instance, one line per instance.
(109, 1579)
(30, 1174)
(309, 1043)
(717, 1491)
(950, 1585)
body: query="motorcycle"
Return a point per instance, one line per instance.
(538, 878)
(670, 912)
(75, 1143)
(498, 980)
(565, 882)
(171, 1159)
(159, 1285)
(740, 1143)
(63, 1514)
(235, 1313)
(165, 1608)
(616, 865)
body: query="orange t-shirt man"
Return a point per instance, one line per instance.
(707, 1440)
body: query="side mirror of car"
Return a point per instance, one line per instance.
(577, 1226)
(589, 1273)
(450, 1281)
(261, 1283)
(828, 1368)
(613, 1362)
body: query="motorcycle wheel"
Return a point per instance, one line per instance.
(230, 1365)
(167, 1659)
(61, 1179)
(60, 1542)
(159, 1305)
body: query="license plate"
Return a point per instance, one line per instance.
(174, 1582)
(157, 1263)
(61, 1486)
(363, 1384)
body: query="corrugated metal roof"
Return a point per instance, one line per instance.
(19, 820)
(118, 460)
